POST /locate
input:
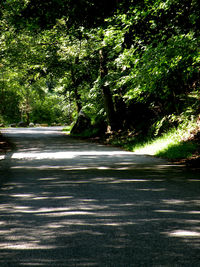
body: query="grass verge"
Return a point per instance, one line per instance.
(67, 129)
(171, 146)
(181, 144)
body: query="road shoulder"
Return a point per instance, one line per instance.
(5, 145)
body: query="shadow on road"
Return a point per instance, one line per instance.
(103, 209)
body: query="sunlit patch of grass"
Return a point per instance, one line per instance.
(67, 129)
(170, 146)
(178, 151)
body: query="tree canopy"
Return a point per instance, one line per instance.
(124, 63)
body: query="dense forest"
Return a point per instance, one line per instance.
(132, 65)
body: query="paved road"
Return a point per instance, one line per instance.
(64, 202)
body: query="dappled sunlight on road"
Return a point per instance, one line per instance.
(184, 233)
(92, 216)
(67, 154)
(96, 207)
(35, 130)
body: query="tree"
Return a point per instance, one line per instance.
(137, 57)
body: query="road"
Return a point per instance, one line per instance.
(65, 202)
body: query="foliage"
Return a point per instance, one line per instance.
(175, 143)
(181, 150)
(56, 61)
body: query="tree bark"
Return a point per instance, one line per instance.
(107, 95)
(75, 85)
(78, 99)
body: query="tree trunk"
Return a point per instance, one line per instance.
(107, 96)
(75, 85)
(78, 99)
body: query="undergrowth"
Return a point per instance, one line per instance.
(174, 142)
(181, 142)
(67, 129)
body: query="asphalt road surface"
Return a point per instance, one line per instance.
(65, 202)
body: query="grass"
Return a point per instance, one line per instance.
(169, 146)
(67, 129)
(181, 150)
(175, 144)
(172, 145)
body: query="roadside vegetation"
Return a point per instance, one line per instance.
(175, 143)
(179, 144)
(131, 67)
